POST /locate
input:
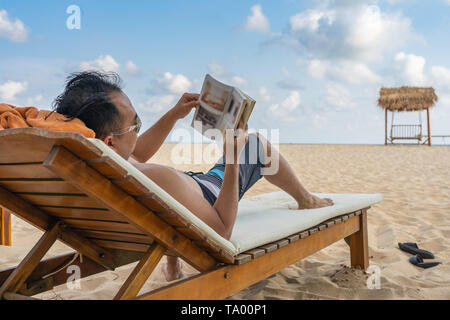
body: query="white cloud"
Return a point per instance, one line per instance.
(316, 68)
(257, 21)
(225, 76)
(158, 104)
(131, 68)
(168, 88)
(444, 100)
(347, 30)
(10, 89)
(310, 20)
(352, 72)
(175, 84)
(318, 121)
(104, 63)
(216, 69)
(239, 81)
(441, 76)
(34, 99)
(283, 110)
(14, 31)
(264, 94)
(410, 68)
(339, 98)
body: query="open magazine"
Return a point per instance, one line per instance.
(221, 107)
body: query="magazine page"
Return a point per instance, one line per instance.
(214, 100)
(245, 109)
(231, 114)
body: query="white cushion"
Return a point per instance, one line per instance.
(261, 219)
(269, 217)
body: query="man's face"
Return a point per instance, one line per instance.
(123, 144)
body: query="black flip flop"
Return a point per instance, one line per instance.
(412, 247)
(417, 260)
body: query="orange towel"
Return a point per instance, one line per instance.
(13, 117)
(5, 227)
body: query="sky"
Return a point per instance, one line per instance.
(315, 68)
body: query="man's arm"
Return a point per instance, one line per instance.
(227, 201)
(151, 140)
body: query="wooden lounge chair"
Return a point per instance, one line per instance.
(82, 193)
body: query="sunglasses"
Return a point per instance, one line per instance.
(136, 127)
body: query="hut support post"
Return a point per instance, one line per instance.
(428, 126)
(385, 127)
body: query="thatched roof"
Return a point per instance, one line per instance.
(407, 98)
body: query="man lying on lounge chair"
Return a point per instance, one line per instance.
(97, 99)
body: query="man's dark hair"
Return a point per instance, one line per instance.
(87, 97)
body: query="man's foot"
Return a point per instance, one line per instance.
(172, 271)
(314, 202)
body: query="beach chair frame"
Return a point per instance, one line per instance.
(69, 158)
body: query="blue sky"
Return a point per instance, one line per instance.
(314, 67)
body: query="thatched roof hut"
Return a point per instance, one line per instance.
(407, 98)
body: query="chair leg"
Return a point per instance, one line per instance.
(358, 242)
(140, 273)
(17, 278)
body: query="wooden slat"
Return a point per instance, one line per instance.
(101, 225)
(313, 230)
(140, 273)
(60, 200)
(107, 167)
(304, 234)
(322, 226)
(293, 238)
(68, 166)
(270, 247)
(131, 186)
(255, 253)
(282, 243)
(84, 214)
(32, 170)
(190, 233)
(153, 204)
(242, 258)
(172, 219)
(34, 144)
(117, 236)
(205, 245)
(130, 246)
(38, 186)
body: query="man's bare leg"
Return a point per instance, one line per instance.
(287, 181)
(172, 269)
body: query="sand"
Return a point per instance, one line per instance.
(414, 181)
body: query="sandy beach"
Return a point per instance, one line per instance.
(414, 181)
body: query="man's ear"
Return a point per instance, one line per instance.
(109, 141)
